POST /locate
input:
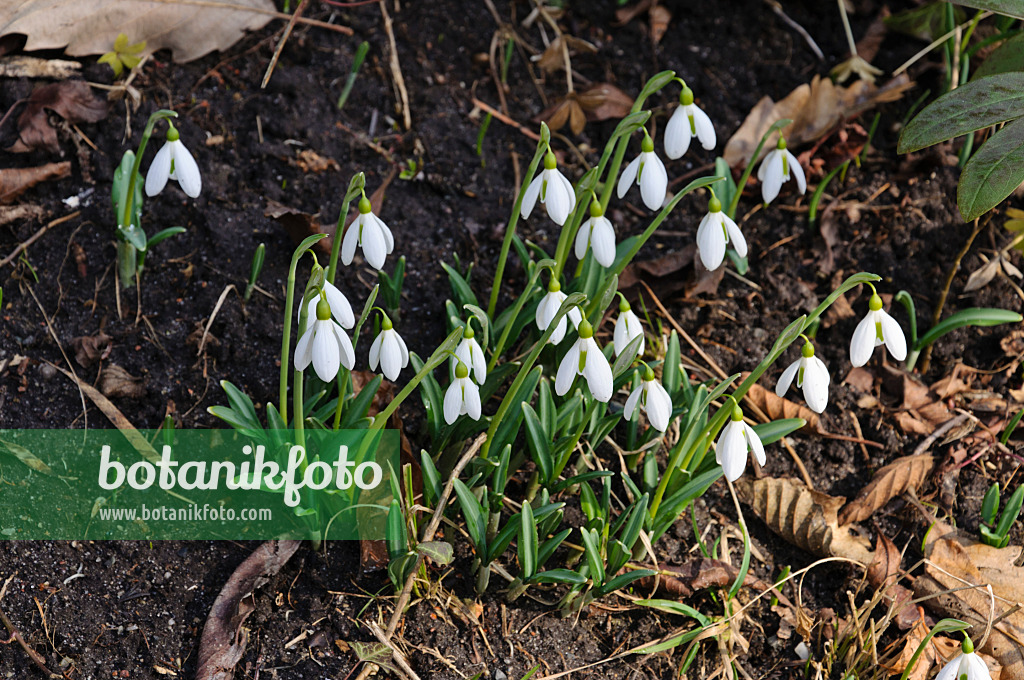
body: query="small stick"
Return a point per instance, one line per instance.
(396, 68)
(280, 45)
(216, 308)
(487, 108)
(34, 237)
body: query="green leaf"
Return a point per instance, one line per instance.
(631, 124)
(671, 375)
(993, 172)
(548, 547)
(623, 580)
(580, 479)
(671, 643)
(1007, 57)
(1010, 8)
(539, 444)
(726, 189)
(396, 534)
(1010, 512)
(375, 653)
(924, 23)
(591, 543)
(241, 404)
(627, 356)
(460, 287)
(162, 235)
(1010, 427)
(990, 505)
(476, 522)
(431, 480)
(528, 542)
(637, 516)
(673, 607)
(973, 316)
(562, 576)
(359, 407)
(975, 105)
(772, 432)
(440, 552)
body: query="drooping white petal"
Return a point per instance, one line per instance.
(574, 315)
(391, 355)
(786, 379)
(705, 130)
(631, 402)
(765, 162)
(341, 310)
(798, 172)
(403, 349)
(893, 336)
(951, 671)
(159, 171)
(478, 362)
(773, 176)
(627, 327)
(453, 401)
(350, 241)
(659, 406)
(597, 371)
(815, 384)
(558, 200)
(628, 176)
(186, 171)
(739, 243)
(755, 443)
(375, 351)
(326, 353)
(653, 181)
(602, 241)
(472, 400)
(304, 350)
(863, 342)
(347, 353)
(567, 369)
(711, 241)
(389, 239)
(567, 185)
(677, 134)
(559, 333)
(375, 248)
(583, 237)
(976, 667)
(731, 450)
(546, 309)
(530, 197)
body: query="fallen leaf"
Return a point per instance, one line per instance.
(21, 66)
(927, 659)
(921, 409)
(25, 456)
(72, 100)
(91, 348)
(908, 472)
(376, 653)
(15, 181)
(659, 16)
(310, 161)
(883, 574)
(116, 382)
(860, 379)
(553, 60)
(778, 408)
(604, 101)
(298, 224)
(624, 15)
(982, 276)
(565, 110)
(814, 108)
(189, 30)
(804, 517)
(224, 638)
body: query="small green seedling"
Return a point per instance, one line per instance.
(391, 287)
(123, 56)
(254, 271)
(357, 63)
(995, 533)
(411, 171)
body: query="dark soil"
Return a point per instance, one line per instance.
(137, 609)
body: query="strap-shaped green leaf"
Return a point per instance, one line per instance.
(994, 171)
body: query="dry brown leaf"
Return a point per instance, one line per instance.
(91, 348)
(552, 59)
(189, 30)
(117, 382)
(72, 100)
(310, 161)
(804, 517)
(922, 409)
(14, 181)
(624, 15)
(928, 658)
(777, 407)
(604, 101)
(659, 17)
(565, 110)
(21, 66)
(298, 224)
(908, 472)
(814, 108)
(26, 457)
(884, 574)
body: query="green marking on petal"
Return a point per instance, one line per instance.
(800, 376)
(693, 125)
(543, 190)
(878, 330)
(582, 362)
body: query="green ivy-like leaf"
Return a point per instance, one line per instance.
(1006, 58)
(993, 172)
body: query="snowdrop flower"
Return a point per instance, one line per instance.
(341, 310)
(687, 122)
(648, 171)
(967, 665)
(325, 345)
(736, 439)
(714, 232)
(775, 169)
(547, 309)
(553, 190)
(462, 397)
(627, 327)
(173, 161)
(585, 358)
(875, 329)
(598, 235)
(370, 232)
(389, 350)
(654, 400)
(469, 353)
(811, 374)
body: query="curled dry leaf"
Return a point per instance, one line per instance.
(814, 108)
(602, 101)
(224, 639)
(777, 408)
(552, 59)
(298, 224)
(72, 100)
(15, 181)
(908, 472)
(117, 382)
(884, 574)
(91, 348)
(804, 517)
(25, 456)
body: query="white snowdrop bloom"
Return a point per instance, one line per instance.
(653, 399)
(598, 235)
(736, 439)
(325, 345)
(370, 232)
(462, 397)
(967, 665)
(341, 310)
(627, 327)
(553, 190)
(776, 169)
(389, 350)
(174, 161)
(688, 121)
(714, 232)
(811, 374)
(547, 309)
(585, 358)
(648, 171)
(875, 329)
(469, 353)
